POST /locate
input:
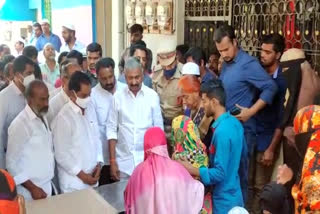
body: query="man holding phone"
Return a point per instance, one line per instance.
(242, 78)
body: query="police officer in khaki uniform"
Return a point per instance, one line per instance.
(165, 83)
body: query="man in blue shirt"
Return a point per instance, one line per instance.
(243, 77)
(225, 152)
(269, 120)
(47, 37)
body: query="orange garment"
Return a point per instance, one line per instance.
(307, 192)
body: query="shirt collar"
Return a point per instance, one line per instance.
(142, 90)
(275, 74)
(75, 108)
(220, 118)
(64, 95)
(30, 113)
(15, 88)
(76, 44)
(106, 91)
(55, 68)
(44, 36)
(177, 74)
(238, 56)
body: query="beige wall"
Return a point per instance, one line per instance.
(104, 25)
(113, 37)
(156, 41)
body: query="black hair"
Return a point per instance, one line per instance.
(7, 69)
(135, 47)
(30, 51)
(37, 72)
(136, 28)
(19, 63)
(197, 55)
(183, 49)
(276, 40)
(7, 58)
(36, 24)
(140, 42)
(62, 54)
(104, 63)
(214, 89)
(215, 52)
(35, 84)
(76, 55)
(224, 31)
(94, 47)
(76, 79)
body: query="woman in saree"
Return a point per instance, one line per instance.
(186, 143)
(159, 184)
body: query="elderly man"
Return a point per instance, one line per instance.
(62, 97)
(102, 95)
(141, 53)
(135, 109)
(76, 140)
(47, 37)
(165, 83)
(30, 157)
(12, 100)
(50, 69)
(69, 36)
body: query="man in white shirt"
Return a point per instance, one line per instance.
(12, 100)
(101, 97)
(30, 158)
(62, 97)
(71, 42)
(76, 140)
(135, 109)
(50, 68)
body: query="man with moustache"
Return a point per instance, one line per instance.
(71, 42)
(94, 53)
(12, 99)
(243, 77)
(134, 109)
(30, 157)
(101, 97)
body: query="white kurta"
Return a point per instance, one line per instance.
(102, 101)
(55, 105)
(76, 144)
(30, 152)
(129, 118)
(12, 103)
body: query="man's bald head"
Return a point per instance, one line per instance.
(37, 95)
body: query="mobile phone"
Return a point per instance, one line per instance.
(235, 111)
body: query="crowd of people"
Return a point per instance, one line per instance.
(193, 134)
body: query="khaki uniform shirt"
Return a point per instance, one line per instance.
(168, 92)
